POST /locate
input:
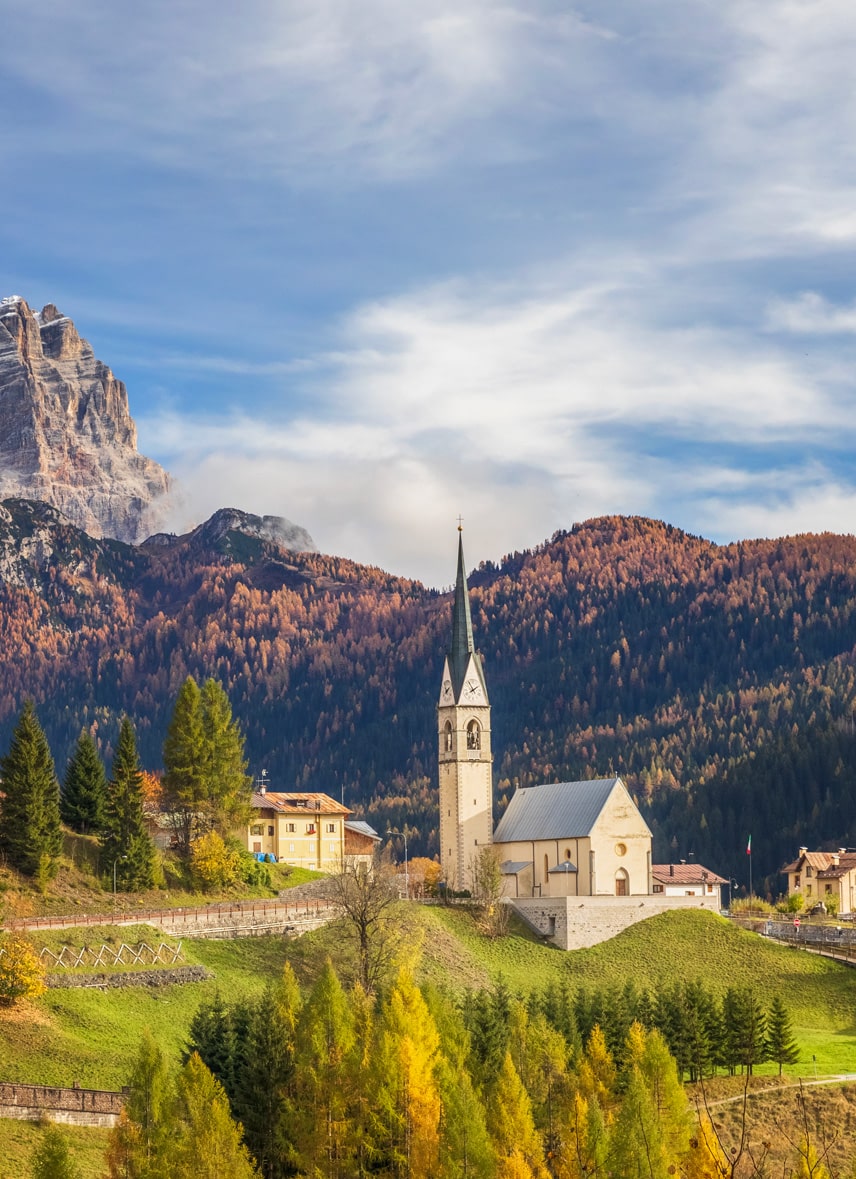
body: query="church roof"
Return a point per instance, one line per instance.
(557, 810)
(462, 631)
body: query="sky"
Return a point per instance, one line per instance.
(370, 265)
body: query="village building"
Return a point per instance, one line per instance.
(686, 880)
(361, 842)
(820, 876)
(304, 830)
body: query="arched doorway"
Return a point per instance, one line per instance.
(622, 883)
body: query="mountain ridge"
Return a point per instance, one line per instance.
(620, 646)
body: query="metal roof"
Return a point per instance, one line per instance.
(513, 867)
(565, 866)
(361, 827)
(556, 810)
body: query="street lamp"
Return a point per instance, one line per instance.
(403, 834)
(115, 862)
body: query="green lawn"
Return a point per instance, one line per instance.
(18, 1140)
(820, 993)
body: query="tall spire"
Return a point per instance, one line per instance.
(462, 647)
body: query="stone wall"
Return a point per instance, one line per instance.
(164, 977)
(572, 923)
(83, 1107)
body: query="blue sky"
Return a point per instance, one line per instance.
(371, 264)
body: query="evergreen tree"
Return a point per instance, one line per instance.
(652, 1128)
(184, 760)
(30, 831)
(205, 783)
(264, 1077)
(211, 1036)
(227, 785)
(51, 1158)
(84, 792)
(780, 1044)
(125, 842)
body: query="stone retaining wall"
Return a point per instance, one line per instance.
(573, 923)
(82, 1107)
(166, 977)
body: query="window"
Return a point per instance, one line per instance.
(331, 827)
(473, 735)
(567, 853)
(797, 880)
(291, 847)
(270, 830)
(332, 847)
(807, 871)
(808, 890)
(621, 849)
(290, 827)
(447, 737)
(828, 889)
(658, 888)
(257, 847)
(257, 829)
(310, 828)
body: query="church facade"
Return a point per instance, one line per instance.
(566, 839)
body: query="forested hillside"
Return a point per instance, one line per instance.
(719, 681)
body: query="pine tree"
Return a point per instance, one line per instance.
(264, 1077)
(84, 793)
(781, 1047)
(30, 831)
(211, 1036)
(126, 846)
(184, 779)
(228, 787)
(51, 1158)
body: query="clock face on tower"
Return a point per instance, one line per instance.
(471, 689)
(446, 694)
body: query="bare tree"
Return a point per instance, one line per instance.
(366, 897)
(486, 887)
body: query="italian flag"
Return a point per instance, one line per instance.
(749, 847)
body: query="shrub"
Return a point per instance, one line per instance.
(795, 902)
(251, 871)
(213, 862)
(21, 973)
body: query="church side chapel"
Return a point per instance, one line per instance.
(561, 839)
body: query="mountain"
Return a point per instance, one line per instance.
(719, 681)
(66, 435)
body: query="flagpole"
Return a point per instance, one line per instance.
(749, 850)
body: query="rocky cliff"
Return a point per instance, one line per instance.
(66, 435)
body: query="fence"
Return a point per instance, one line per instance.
(271, 913)
(834, 941)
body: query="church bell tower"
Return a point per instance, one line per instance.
(463, 729)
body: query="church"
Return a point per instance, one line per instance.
(559, 840)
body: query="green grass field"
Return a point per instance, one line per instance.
(91, 1036)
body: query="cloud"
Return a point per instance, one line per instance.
(812, 314)
(526, 414)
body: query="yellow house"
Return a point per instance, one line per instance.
(818, 875)
(574, 839)
(303, 830)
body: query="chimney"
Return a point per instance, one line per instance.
(835, 858)
(803, 850)
(671, 869)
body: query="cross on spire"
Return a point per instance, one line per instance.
(460, 523)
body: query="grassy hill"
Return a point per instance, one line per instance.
(90, 1036)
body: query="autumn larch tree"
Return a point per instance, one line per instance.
(84, 792)
(30, 830)
(126, 846)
